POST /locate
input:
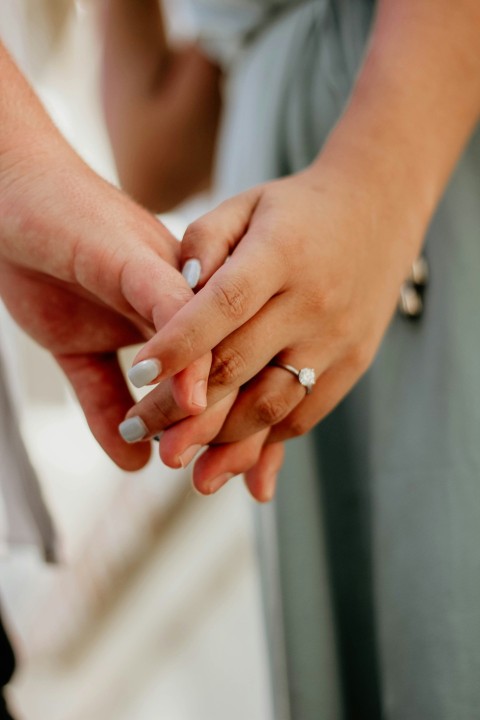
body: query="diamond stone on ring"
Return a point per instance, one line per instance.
(306, 376)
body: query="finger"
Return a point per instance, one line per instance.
(269, 398)
(190, 386)
(245, 352)
(44, 308)
(237, 291)
(220, 463)
(261, 479)
(332, 386)
(209, 240)
(155, 289)
(151, 415)
(181, 442)
(158, 291)
(265, 401)
(104, 397)
(134, 268)
(235, 361)
(159, 410)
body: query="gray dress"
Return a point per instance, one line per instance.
(375, 609)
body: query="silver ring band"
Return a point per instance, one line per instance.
(305, 376)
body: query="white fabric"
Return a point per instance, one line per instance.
(24, 519)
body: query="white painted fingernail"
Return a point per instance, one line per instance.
(191, 271)
(133, 429)
(144, 372)
(187, 456)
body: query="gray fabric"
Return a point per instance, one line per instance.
(310, 644)
(285, 90)
(226, 27)
(25, 517)
(378, 534)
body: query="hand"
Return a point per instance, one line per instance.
(183, 439)
(314, 280)
(315, 266)
(157, 97)
(85, 271)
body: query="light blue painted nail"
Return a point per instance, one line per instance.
(191, 271)
(144, 372)
(133, 429)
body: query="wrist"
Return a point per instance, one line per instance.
(380, 186)
(414, 105)
(386, 161)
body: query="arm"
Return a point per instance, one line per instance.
(416, 100)
(83, 269)
(161, 106)
(321, 283)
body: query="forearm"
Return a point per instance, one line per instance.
(23, 121)
(29, 143)
(135, 49)
(161, 106)
(135, 55)
(416, 100)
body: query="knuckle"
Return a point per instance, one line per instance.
(360, 356)
(158, 410)
(249, 458)
(196, 233)
(298, 425)
(344, 328)
(184, 348)
(180, 295)
(231, 298)
(228, 367)
(161, 413)
(270, 409)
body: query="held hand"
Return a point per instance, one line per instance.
(315, 266)
(85, 271)
(184, 438)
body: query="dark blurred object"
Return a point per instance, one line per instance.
(7, 668)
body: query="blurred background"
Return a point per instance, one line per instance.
(154, 610)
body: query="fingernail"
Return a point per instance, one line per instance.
(269, 489)
(191, 271)
(199, 394)
(133, 429)
(144, 372)
(196, 490)
(187, 456)
(213, 485)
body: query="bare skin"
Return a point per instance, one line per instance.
(83, 269)
(309, 282)
(162, 106)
